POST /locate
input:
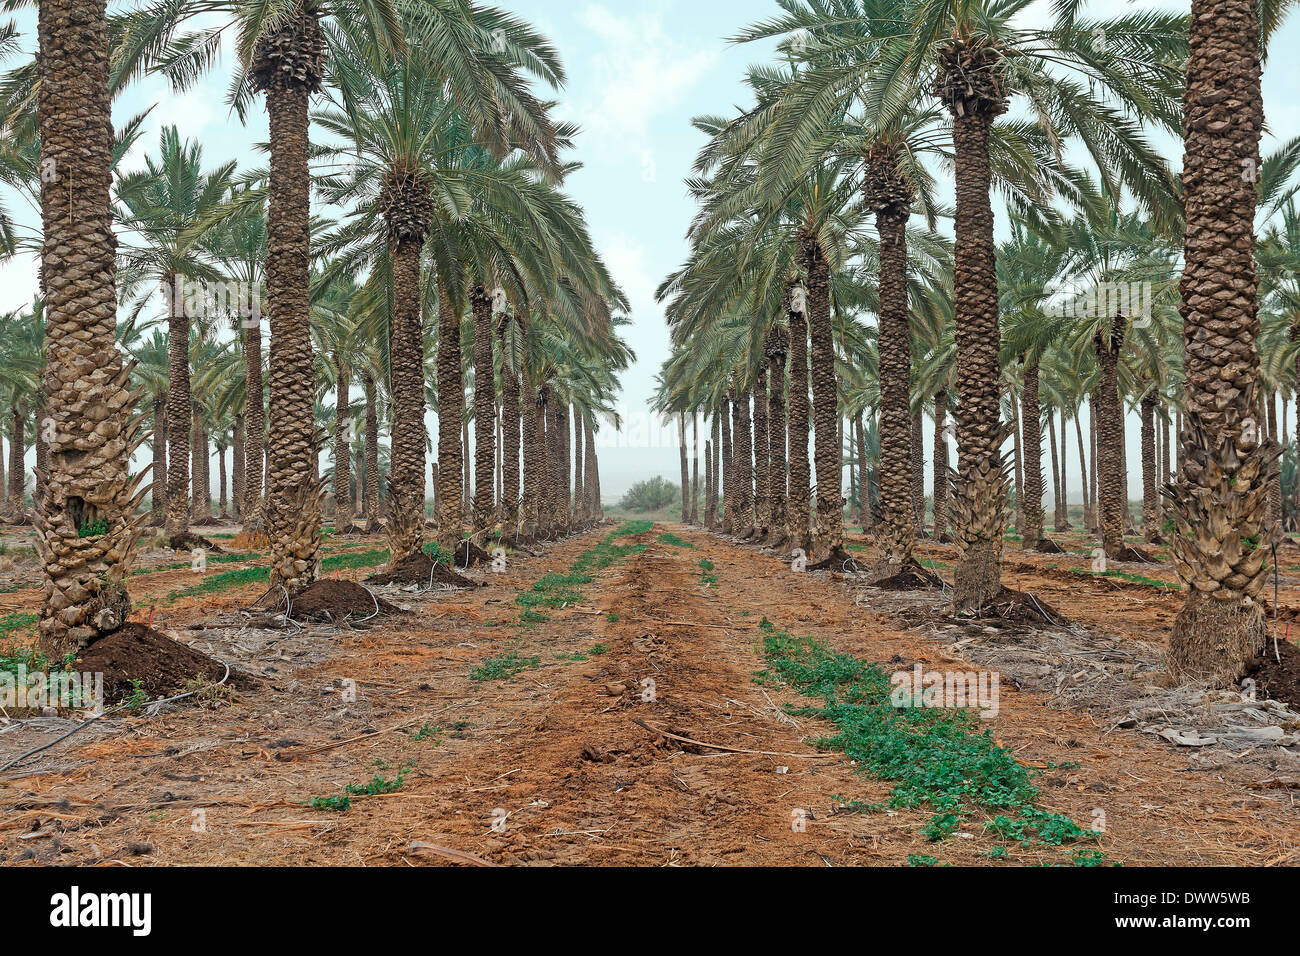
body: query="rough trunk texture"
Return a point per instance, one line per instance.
(254, 427)
(1084, 480)
(1150, 516)
(742, 445)
(510, 424)
(342, 448)
(180, 422)
(940, 482)
(800, 494)
(17, 506)
(593, 472)
(451, 411)
(579, 461)
(406, 492)
(829, 535)
(777, 349)
(1058, 497)
(762, 453)
(287, 67)
(1112, 495)
(372, 453)
(88, 404)
(681, 459)
(158, 491)
(1220, 499)
(728, 467)
(485, 415)
(1032, 449)
(530, 410)
(972, 88)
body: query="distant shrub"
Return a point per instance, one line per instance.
(651, 495)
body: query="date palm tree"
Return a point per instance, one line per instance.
(975, 55)
(163, 203)
(479, 55)
(87, 523)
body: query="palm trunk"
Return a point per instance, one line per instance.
(1113, 496)
(800, 494)
(180, 421)
(897, 528)
(728, 467)
(84, 596)
(762, 459)
(1062, 522)
(406, 491)
(1150, 519)
(221, 481)
(742, 445)
(1058, 497)
(237, 468)
(530, 409)
(1220, 503)
(1019, 456)
(1032, 449)
(451, 411)
(254, 426)
(372, 453)
(579, 461)
(158, 492)
(829, 537)
(695, 468)
(864, 475)
(777, 348)
(685, 467)
(342, 449)
(592, 472)
(941, 478)
(708, 483)
(1083, 469)
(972, 91)
(287, 67)
(918, 469)
(17, 463)
(510, 423)
(485, 415)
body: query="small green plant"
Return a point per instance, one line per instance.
(426, 732)
(93, 529)
(503, 667)
(669, 538)
(137, 698)
(379, 784)
(597, 649)
(612, 617)
(707, 578)
(338, 804)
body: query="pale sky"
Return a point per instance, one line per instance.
(638, 71)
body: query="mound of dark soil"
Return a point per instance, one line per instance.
(1281, 681)
(837, 560)
(339, 602)
(1048, 546)
(1019, 607)
(469, 555)
(135, 652)
(1135, 555)
(910, 577)
(419, 568)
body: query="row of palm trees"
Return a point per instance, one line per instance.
(819, 204)
(454, 228)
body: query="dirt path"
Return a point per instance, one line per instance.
(581, 755)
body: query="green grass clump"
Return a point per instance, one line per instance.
(223, 581)
(707, 578)
(502, 667)
(357, 559)
(669, 538)
(93, 529)
(339, 804)
(1125, 576)
(938, 758)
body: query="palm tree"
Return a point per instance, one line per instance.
(1220, 497)
(86, 525)
(478, 54)
(163, 203)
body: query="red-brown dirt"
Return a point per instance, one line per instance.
(632, 731)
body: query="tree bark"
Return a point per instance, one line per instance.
(829, 538)
(343, 448)
(485, 415)
(451, 411)
(1032, 450)
(84, 595)
(406, 491)
(800, 494)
